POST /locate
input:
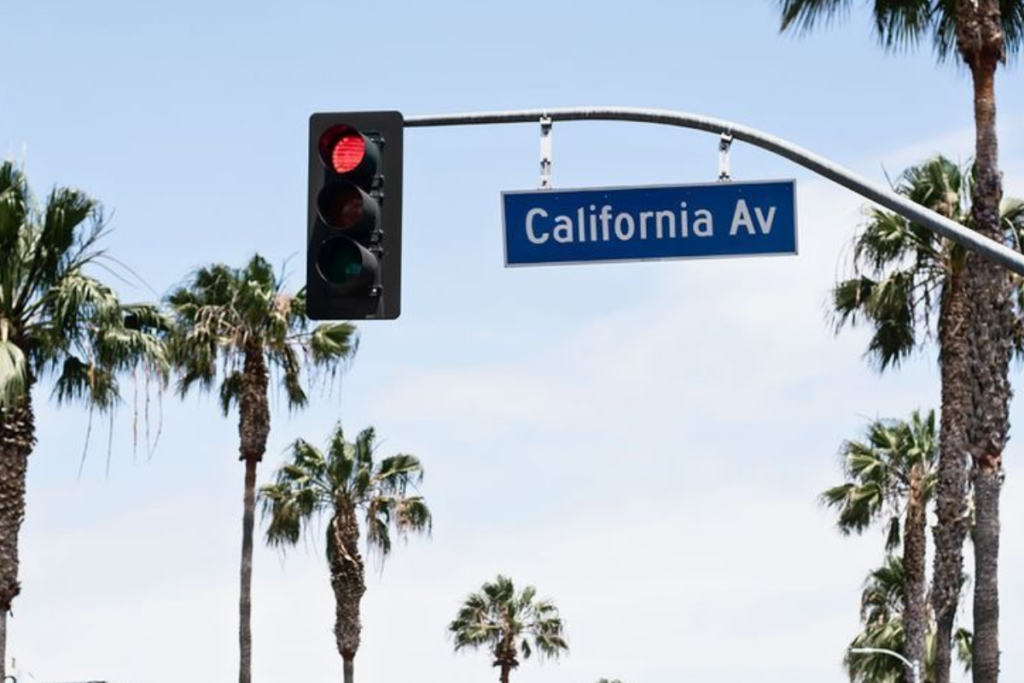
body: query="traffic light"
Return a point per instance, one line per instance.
(354, 251)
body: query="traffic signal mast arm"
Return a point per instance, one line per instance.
(935, 222)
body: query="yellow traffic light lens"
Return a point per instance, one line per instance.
(341, 207)
(345, 206)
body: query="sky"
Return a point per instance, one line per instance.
(643, 442)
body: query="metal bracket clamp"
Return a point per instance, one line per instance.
(545, 152)
(724, 143)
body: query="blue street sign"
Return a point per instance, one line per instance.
(645, 223)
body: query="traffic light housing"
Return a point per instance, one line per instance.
(354, 214)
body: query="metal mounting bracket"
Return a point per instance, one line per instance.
(724, 143)
(545, 152)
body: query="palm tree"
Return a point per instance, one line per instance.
(892, 474)
(978, 33)
(909, 287)
(56, 321)
(346, 483)
(882, 604)
(241, 322)
(506, 622)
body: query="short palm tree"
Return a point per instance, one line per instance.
(882, 604)
(346, 483)
(909, 288)
(892, 474)
(979, 34)
(236, 324)
(507, 622)
(57, 321)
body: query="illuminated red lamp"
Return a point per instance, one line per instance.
(347, 152)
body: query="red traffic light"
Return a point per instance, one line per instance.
(345, 150)
(354, 207)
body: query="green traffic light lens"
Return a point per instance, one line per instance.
(345, 264)
(340, 262)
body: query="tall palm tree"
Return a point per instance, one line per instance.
(892, 474)
(346, 483)
(909, 287)
(978, 33)
(237, 324)
(57, 321)
(507, 622)
(881, 612)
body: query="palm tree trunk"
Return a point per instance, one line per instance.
(253, 430)
(986, 594)
(991, 322)
(980, 40)
(985, 658)
(17, 438)
(951, 484)
(3, 646)
(245, 600)
(348, 582)
(914, 549)
(505, 670)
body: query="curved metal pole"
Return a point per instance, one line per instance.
(994, 251)
(915, 670)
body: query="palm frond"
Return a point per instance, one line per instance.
(299, 492)
(288, 360)
(900, 24)
(61, 245)
(333, 342)
(15, 207)
(963, 641)
(341, 456)
(893, 535)
(230, 391)
(14, 374)
(889, 307)
(87, 382)
(281, 507)
(77, 300)
(804, 15)
(396, 473)
(1012, 12)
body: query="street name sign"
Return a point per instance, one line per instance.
(650, 223)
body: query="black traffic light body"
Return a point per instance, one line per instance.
(354, 216)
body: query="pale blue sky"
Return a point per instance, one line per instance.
(644, 442)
